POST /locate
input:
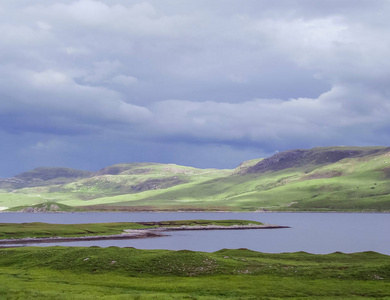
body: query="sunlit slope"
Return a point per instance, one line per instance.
(358, 183)
(129, 179)
(331, 178)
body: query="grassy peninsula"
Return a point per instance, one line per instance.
(318, 179)
(46, 230)
(128, 273)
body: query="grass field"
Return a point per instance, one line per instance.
(128, 273)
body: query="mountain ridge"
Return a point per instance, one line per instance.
(302, 157)
(322, 178)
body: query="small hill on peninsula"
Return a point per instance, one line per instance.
(318, 179)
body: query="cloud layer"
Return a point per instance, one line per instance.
(87, 83)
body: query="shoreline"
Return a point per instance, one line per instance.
(217, 227)
(135, 234)
(197, 211)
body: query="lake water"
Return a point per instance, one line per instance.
(318, 233)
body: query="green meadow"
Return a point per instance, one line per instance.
(128, 273)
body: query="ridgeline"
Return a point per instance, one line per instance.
(319, 179)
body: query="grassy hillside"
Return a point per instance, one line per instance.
(320, 179)
(128, 273)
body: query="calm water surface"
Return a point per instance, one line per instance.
(318, 233)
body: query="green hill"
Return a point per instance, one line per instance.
(319, 179)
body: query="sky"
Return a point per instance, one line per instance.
(90, 83)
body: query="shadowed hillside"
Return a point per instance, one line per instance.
(44, 176)
(319, 179)
(310, 159)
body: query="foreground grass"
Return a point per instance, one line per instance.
(128, 273)
(23, 230)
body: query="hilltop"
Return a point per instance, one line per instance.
(318, 179)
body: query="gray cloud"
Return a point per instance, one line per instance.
(130, 77)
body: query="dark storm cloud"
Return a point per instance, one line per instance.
(151, 80)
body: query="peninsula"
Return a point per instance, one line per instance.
(13, 233)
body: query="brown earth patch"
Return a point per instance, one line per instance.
(330, 174)
(386, 171)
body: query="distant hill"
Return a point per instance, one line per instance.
(43, 177)
(310, 159)
(318, 179)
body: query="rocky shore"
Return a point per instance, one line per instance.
(134, 234)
